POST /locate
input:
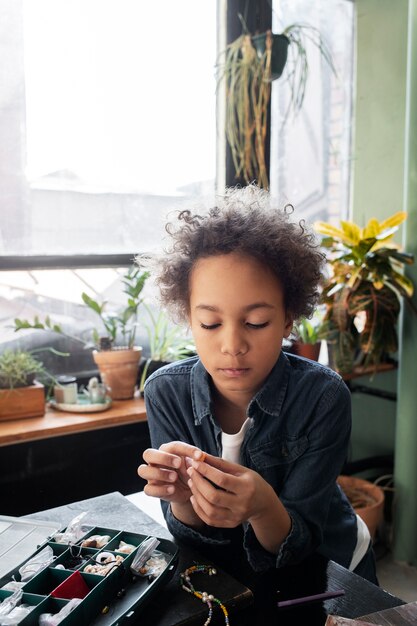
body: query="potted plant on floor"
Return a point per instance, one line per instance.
(246, 68)
(167, 343)
(118, 364)
(21, 395)
(363, 292)
(366, 498)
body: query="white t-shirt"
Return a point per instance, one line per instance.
(362, 543)
(231, 444)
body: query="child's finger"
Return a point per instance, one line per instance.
(213, 495)
(162, 459)
(215, 461)
(155, 473)
(181, 449)
(159, 490)
(220, 479)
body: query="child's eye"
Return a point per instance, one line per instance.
(209, 326)
(255, 326)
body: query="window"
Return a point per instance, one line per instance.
(310, 156)
(107, 121)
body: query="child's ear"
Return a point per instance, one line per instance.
(289, 321)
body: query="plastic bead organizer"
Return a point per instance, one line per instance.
(109, 597)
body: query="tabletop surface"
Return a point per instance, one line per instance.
(174, 607)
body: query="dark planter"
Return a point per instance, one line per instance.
(280, 45)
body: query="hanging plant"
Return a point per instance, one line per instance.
(246, 68)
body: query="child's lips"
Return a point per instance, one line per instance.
(234, 372)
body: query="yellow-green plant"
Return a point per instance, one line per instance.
(363, 291)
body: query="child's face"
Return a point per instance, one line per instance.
(238, 321)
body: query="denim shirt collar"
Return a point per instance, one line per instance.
(268, 399)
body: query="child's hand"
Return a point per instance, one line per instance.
(235, 494)
(166, 471)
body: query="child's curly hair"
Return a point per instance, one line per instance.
(243, 222)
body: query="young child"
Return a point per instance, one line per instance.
(247, 440)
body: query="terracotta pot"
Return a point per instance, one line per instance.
(119, 370)
(366, 498)
(307, 350)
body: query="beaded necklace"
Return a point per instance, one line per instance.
(205, 597)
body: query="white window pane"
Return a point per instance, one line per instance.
(113, 105)
(311, 154)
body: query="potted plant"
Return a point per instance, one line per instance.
(363, 291)
(246, 67)
(118, 364)
(20, 394)
(307, 333)
(366, 498)
(167, 343)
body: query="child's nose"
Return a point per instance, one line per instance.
(234, 343)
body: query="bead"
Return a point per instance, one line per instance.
(204, 596)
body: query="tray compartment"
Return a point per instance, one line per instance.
(97, 530)
(133, 539)
(123, 564)
(50, 578)
(47, 605)
(27, 598)
(70, 558)
(15, 574)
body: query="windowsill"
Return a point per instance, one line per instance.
(58, 423)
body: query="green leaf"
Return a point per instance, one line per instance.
(92, 304)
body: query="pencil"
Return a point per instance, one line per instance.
(327, 595)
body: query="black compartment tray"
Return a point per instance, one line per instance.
(109, 600)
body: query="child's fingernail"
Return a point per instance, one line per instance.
(170, 489)
(176, 462)
(199, 455)
(172, 476)
(190, 483)
(188, 461)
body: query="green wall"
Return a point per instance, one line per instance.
(405, 535)
(379, 112)
(385, 181)
(378, 171)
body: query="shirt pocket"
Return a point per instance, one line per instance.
(274, 459)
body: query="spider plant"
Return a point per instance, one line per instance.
(167, 342)
(122, 323)
(246, 67)
(363, 291)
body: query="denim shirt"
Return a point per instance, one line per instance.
(297, 442)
